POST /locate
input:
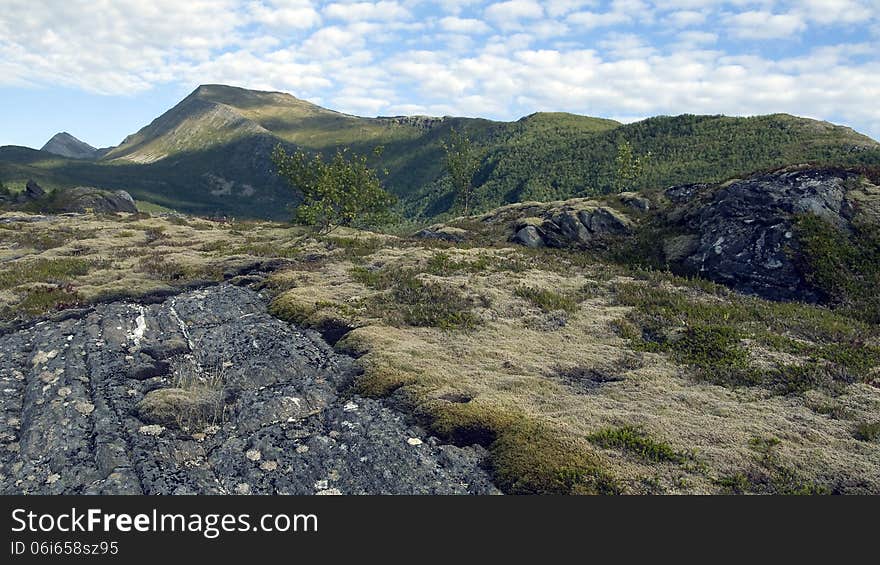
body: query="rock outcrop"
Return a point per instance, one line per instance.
(86, 198)
(80, 200)
(742, 233)
(203, 393)
(33, 191)
(442, 233)
(571, 225)
(421, 122)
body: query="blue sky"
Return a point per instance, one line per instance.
(101, 69)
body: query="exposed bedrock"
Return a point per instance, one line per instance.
(204, 393)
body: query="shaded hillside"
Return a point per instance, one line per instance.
(196, 182)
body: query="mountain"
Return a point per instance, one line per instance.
(210, 153)
(66, 145)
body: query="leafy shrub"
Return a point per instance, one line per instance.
(340, 192)
(42, 300)
(709, 335)
(411, 301)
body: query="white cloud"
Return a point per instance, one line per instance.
(556, 8)
(112, 47)
(627, 58)
(838, 11)
(686, 18)
(513, 11)
(455, 7)
(764, 25)
(620, 12)
(694, 38)
(367, 11)
(295, 14)
(464, 25)
(590, 20)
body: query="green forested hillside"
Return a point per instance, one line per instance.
(210, 153)
(549, 163)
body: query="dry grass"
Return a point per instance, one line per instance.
(542, 374)
(72, 260)
(499, 383)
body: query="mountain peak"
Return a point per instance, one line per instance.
(242, 98)
(66, 145)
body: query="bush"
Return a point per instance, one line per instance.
(413, 302)
(339, 192)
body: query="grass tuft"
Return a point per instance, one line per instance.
(634, 440)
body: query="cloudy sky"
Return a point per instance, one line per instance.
(101, 69)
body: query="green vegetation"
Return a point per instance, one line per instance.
(341, 192)
(220, 165)
(846, 267)
(461, 162)
(711, 336)
(52, 271)
(192, 403)
(158, 266)
(413, 302)
(41, 300)
(868, 431)
(548, 300)
(528, 457)
(629, 168)
(442, 264)
(683, 149)
(37, 239)
(354, 248)
(771, 476)
(634, 440)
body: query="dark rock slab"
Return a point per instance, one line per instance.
(244, 404)
(745, 230)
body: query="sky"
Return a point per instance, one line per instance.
(102, 69)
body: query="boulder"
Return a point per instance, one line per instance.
(33, 191)
(684, 192)
(571, 226)
(442, 233)
(745, 230)
(86, 198)
(529, 237)
(634, 201)
(607, 221)
(678, 248)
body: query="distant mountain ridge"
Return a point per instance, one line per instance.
(66, 145)
(210, 153)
